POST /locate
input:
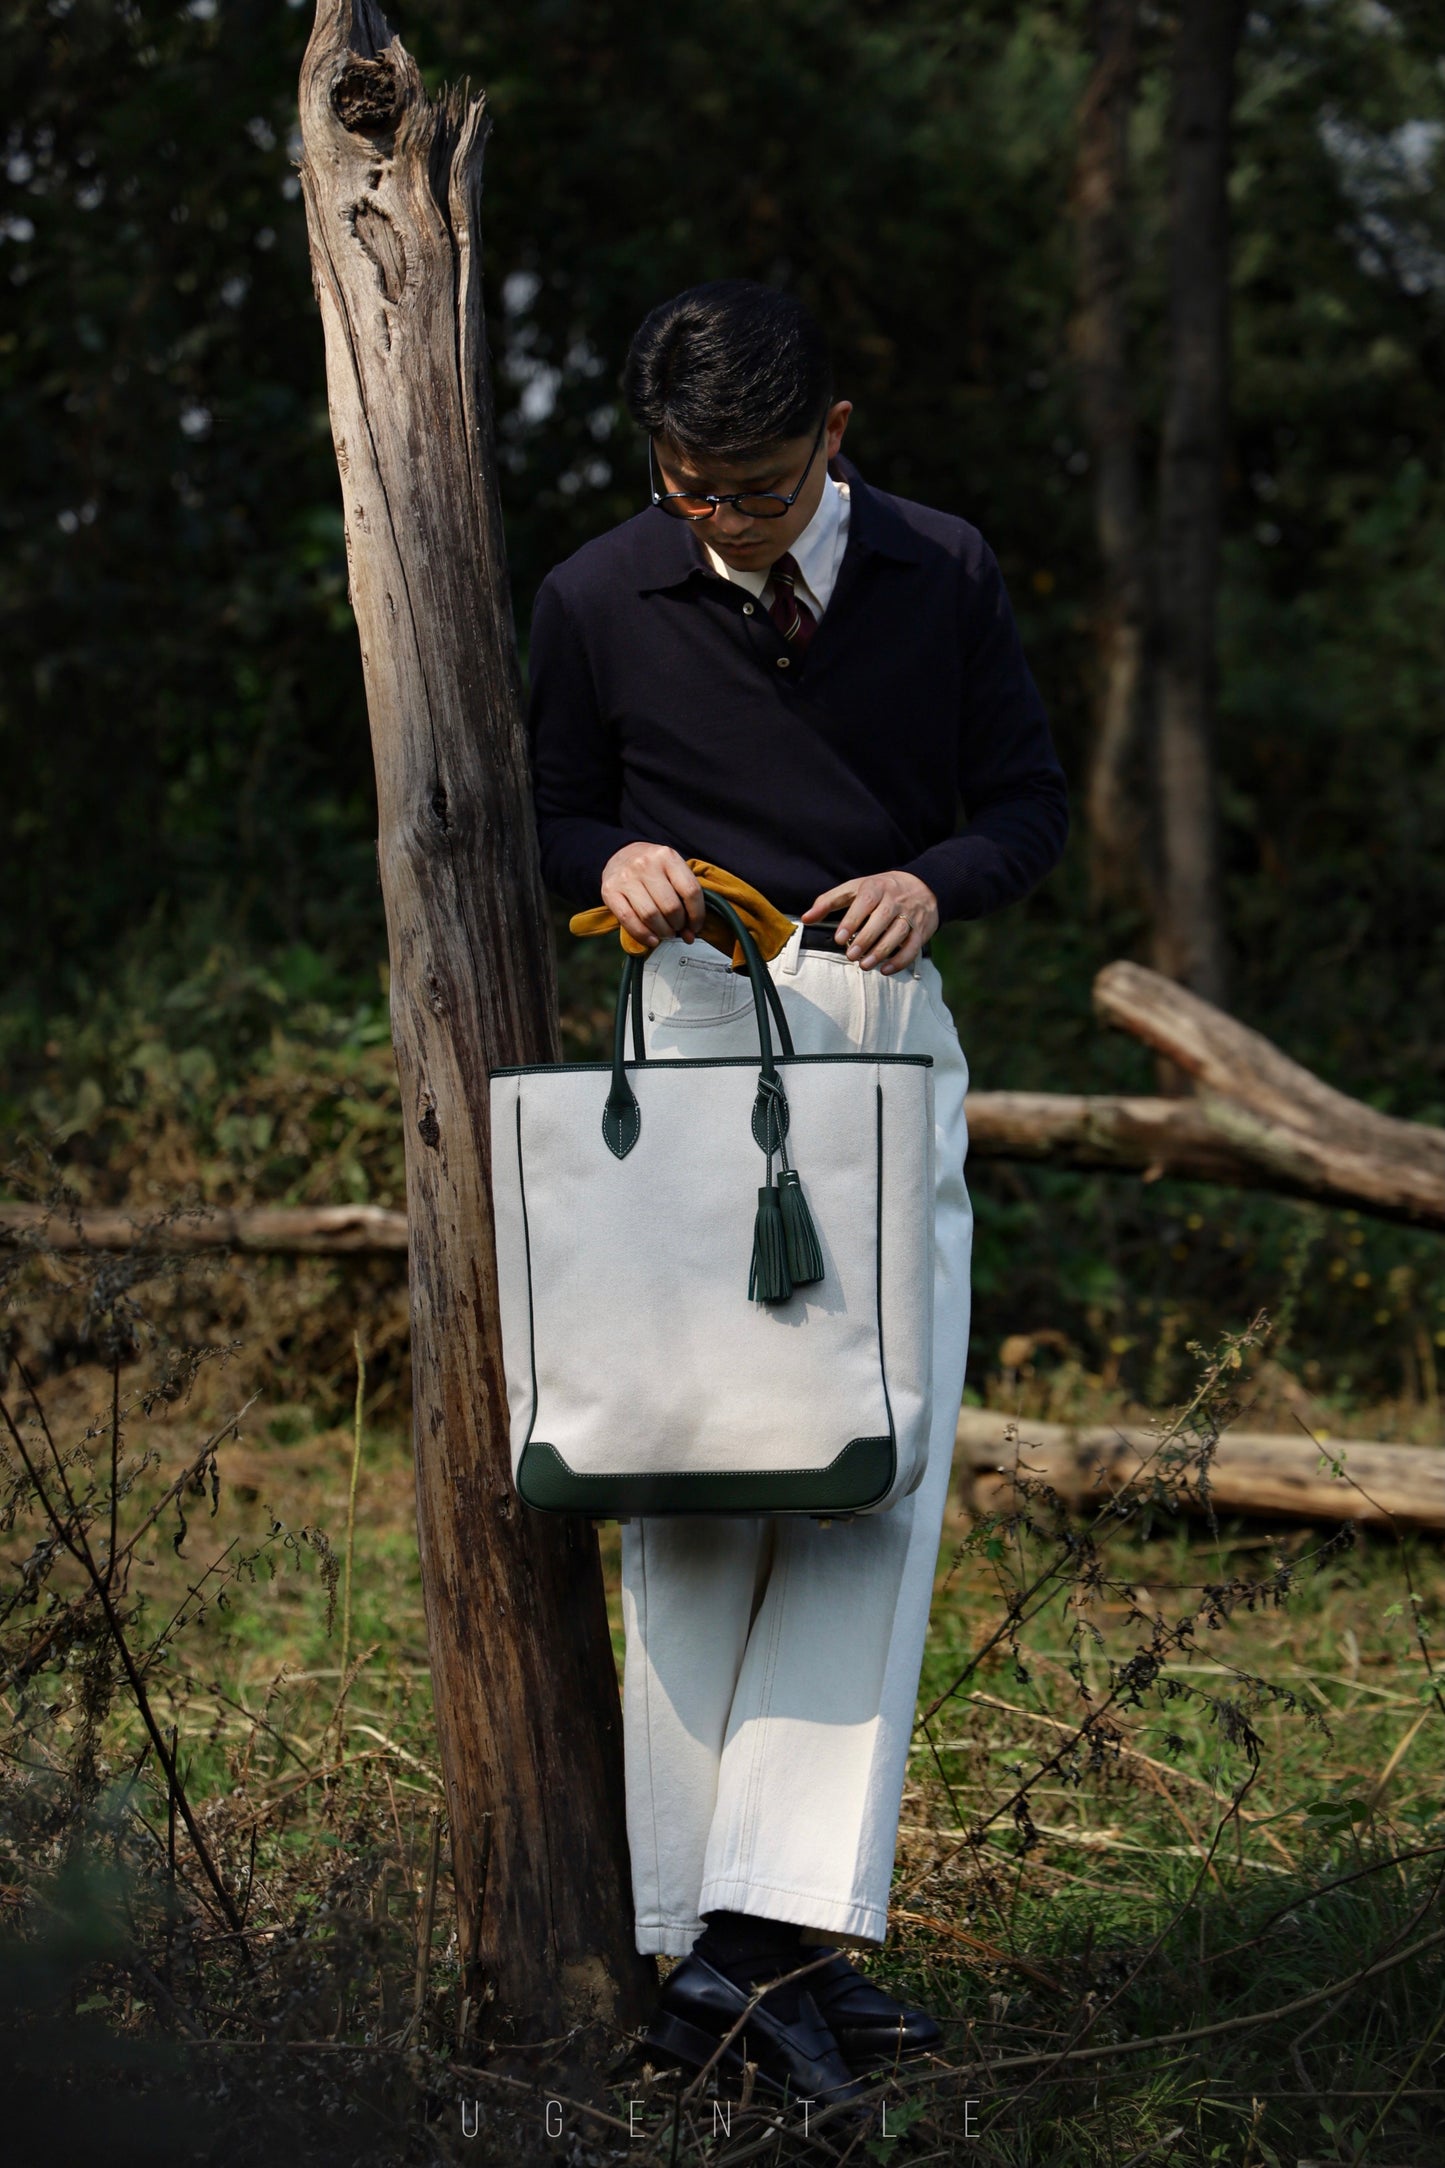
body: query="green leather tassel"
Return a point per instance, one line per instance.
(805, 1257)
(768, 1281)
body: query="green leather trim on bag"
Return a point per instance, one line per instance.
(621, 1121)
(700, 1061)
(860, 1475)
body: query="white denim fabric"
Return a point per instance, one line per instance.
(772, 1664)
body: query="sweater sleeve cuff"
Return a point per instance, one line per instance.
(607, 841)
(575, 849)
(957, 881)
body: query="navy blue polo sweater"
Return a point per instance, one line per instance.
(660, 713)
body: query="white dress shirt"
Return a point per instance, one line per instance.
(818, 553)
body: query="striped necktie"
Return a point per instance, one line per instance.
(794, 620)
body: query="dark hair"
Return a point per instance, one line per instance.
(727, 369)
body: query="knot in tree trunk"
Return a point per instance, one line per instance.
(367, 97)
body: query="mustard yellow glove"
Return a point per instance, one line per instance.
(770, 928)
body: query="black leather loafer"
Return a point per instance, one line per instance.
(798, 2060)
(870, 2027)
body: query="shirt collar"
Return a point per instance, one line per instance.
(667, 553)
(812, 553)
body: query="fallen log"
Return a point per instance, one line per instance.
(1256, 1473)
(280, 1230)
(1312, 1139)
(1153, 1137)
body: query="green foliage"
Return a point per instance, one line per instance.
(181, 684)
(234, 1084)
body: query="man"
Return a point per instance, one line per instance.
(793, 676)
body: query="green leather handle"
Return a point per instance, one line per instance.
(621, 1118)
(752, 957)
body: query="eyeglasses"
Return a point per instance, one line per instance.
(693, 504)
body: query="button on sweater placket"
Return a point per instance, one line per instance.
(762, 624)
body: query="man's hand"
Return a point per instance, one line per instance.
(888, 919)
(652, 891)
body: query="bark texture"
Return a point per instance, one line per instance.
(526, 1693)
(1252, 1472)
(1099, 337)
(1189, 929)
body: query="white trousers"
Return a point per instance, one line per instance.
(772, 1664)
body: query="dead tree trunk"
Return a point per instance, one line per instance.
(1100, 342)
(1189, 943)
(526, 1693)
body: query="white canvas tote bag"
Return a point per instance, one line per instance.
(716, 1276)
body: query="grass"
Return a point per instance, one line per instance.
(1171, 1785)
